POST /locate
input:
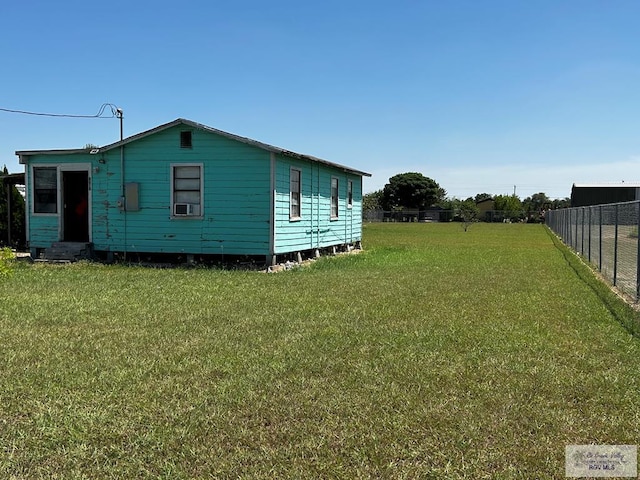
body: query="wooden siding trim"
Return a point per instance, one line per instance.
(317, 217)
(27, 206)
(272, 204)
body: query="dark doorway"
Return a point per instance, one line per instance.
(75, 191)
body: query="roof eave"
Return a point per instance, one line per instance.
(607, 185)
(29, 153)
(144, 134)
(12, 178)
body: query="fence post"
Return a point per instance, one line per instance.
(575, 238)
(600, 240)
(582, 233)
(589, 243)
(569, 229)
(638, 254)
(615, 249)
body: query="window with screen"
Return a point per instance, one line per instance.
(294, 201)
(186, 194)
(334, 198)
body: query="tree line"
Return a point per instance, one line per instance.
(414, 191)
(405, 191)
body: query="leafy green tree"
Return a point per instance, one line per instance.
(17, 214)
(447, 203)
(534, 205)
(561, 203)
(449, 207)
(482, 196)
(510, 205)
(372, 201)
(536, 202)
(468, 211)
(411, 190)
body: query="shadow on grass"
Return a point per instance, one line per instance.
(621, 310)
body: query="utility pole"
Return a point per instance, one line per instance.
(514, 190)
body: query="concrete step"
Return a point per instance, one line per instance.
(68, 252)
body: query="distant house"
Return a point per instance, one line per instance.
(185, 188)
(486, 209)
(583, 194)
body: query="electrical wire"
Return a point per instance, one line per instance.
(115, 112)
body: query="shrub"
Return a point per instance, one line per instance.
(6, 262)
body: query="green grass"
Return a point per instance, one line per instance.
(435, 353)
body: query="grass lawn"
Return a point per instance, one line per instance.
(433, 354)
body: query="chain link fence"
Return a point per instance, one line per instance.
(607, 237)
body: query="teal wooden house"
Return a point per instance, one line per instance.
(186, 189)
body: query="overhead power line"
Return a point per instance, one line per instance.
(114, 110)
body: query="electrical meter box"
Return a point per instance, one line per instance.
(131, 195)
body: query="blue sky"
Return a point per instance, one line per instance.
(481, 96)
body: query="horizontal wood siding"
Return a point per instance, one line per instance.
(292, 235)
(235, 207)
(236, 199)
(236, 196)
(315, 228)
(44, 229)
(108, 219)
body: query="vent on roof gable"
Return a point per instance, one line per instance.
(185, 139)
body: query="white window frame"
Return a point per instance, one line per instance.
(292, 214)
(349, 193)
(200, 207)
(335, 200)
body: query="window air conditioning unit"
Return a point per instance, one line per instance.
(183, 209)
